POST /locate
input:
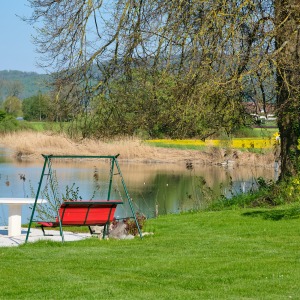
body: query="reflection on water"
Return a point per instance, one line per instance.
(167, 188)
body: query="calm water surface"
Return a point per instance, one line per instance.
(154, 188)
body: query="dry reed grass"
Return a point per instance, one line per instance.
(30, 145)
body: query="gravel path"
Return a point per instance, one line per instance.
(37, 234)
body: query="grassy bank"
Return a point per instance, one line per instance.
(49, 126)
(234, 254)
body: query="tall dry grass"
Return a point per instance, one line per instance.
(33, 144)
(36, 143)
(30, 145)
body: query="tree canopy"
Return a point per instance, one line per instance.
(182, 68)
(13, 106)
(37, 108)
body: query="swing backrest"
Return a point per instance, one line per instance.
(96, 212)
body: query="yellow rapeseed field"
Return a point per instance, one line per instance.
(236, 143)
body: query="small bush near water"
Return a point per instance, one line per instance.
(268, 194)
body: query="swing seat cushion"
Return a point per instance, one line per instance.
(85, 213)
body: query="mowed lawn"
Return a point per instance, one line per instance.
(233, 254)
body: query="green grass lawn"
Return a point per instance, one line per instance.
(229, 254)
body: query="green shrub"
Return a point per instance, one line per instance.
(2, 115)
(8, 123)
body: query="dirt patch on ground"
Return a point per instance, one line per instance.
(30, 146)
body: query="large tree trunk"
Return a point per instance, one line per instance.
(287, 18)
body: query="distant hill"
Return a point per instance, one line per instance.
(32, 82)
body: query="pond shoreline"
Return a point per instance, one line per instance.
(28, 146)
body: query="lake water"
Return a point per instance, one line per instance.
(153, 188)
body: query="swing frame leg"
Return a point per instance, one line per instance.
(105, 231)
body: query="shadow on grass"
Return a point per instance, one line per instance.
(275, 215)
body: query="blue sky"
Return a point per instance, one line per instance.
(16, 49)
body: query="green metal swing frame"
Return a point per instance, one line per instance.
(114, 164)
